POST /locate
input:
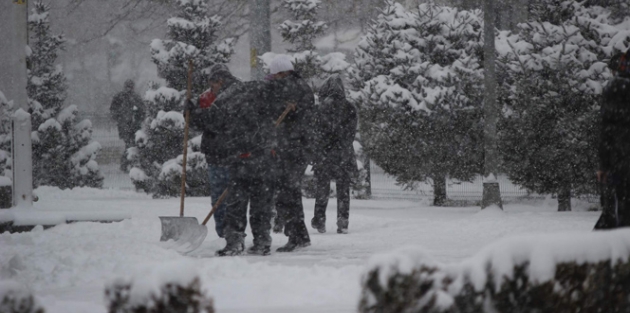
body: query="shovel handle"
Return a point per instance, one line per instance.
(215, 206)
(290, 107)
(185, 153)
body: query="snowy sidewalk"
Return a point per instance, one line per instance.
(69, 265)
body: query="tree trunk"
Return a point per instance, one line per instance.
(439, 190)
(564, 199)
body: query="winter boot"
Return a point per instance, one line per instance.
(278, 225)
(259, 250)
(342, 226)
(235, 246)
(319, 224)
(293, 244)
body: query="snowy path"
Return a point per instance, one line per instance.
(69, 265)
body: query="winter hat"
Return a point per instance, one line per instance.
(219, 71)
(332, 87)
(280, 63)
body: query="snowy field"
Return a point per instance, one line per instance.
(69, 265)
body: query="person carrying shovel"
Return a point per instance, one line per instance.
(212, 139)
(248, 137)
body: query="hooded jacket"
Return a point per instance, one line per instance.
(336, 128)
(296, 140)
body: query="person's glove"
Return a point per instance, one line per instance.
(207, 99)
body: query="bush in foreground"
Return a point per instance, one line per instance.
(172, 297)
(14, 298)
(576, 273)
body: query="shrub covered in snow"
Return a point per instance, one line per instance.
(553, 71)
(174, 287)
(64, 154)
(156, 158)
(14, 298)
(417, 82)
(546, 273)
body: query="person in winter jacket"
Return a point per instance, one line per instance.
(127, 110)
(614, 150)
(213, 138)
(337, 124)
(247, 139)
(295, 148)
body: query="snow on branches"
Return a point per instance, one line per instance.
(192, 35)
(301, 31)
(64, 154)
(553, 70)
(417, 80)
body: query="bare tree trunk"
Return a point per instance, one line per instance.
(564, 199)
(439, 190)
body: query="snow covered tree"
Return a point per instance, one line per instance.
(553, 71)
(300, 32)
(64, 154)
(418, 82)
(156, 159)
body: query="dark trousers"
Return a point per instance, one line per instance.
(219, 178)
(322, 192)
(257, 190)
(615, 201)
(289, 200)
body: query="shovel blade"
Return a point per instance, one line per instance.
(183, 234)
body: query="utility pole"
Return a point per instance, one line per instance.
(259, 35)
(491, 191)
(21, 141)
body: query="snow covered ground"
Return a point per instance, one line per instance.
(69, 265)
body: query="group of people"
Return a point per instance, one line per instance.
(258, 138)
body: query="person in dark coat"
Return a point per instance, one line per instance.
(213, 138)
(614, 150)
(337, 124)
(295, 149)
(127, 110)
(248, 139)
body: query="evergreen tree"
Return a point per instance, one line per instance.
(553, 71)
(156, 159)
(418, 82)
(64, 154)
(300, 32)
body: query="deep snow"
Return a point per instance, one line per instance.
(69, 265)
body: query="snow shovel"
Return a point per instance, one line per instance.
(181, 230)
(188, 231)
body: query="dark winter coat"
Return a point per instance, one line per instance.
(336, 128)
(127, 109)
(243, 125)
(295, 136)
(614, 151)
(212, 139)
